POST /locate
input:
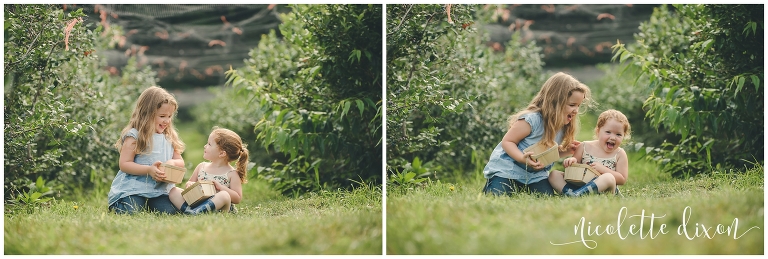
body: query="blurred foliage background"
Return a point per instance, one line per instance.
(451, 87)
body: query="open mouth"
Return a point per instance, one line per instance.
(570, 117)
(610, 144)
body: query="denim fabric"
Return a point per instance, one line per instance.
(503, 186)
(189, 209)
(134, 203)
(500, 164)
(125, 185)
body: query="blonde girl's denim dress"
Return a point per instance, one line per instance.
(131, 193)
(505, 175)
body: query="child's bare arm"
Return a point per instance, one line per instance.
(622, 167)
(235, 188)
(176, 160)
(129, 166)
(514, 135)
(193, 179)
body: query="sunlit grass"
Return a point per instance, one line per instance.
(435, 220)
(453, 217)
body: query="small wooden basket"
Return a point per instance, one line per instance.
(543, 154)
(198, 192)
(173, 174)
(580, 174)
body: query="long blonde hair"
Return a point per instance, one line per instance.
(230, 142)
(551, 101)
(143, 120)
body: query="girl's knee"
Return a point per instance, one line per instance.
(555, 174)
(224, 196)
(608, 178)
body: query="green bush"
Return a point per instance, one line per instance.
(624, 88)
(705, 69)
(63, 111)
(448, 93)
(313, 99)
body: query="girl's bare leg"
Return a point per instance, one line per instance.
(557, 180)
(222, 200)
(176, 198)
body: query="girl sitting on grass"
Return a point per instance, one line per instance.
(148, 140)
(223, 147)
(551, 119)
(604, 154)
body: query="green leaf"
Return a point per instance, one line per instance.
(416, 162)
(354, 53)
(360, 106)
(624, 56)
(672, 115)
(347, 104)
(313, 71)
(740, 84)
(755, 81)
(279, 119)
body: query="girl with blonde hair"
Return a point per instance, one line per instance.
(551, 118)
(147, 141)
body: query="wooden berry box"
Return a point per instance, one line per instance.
(173, 174)
(580, 174)
(543, 154)
(198, 192)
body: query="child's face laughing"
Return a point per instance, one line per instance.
(610, 135)
(163, 118)
(572, 107)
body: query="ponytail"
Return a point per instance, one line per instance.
(242, 165)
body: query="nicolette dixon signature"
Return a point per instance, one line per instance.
(647, 228)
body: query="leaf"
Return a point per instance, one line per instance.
(347, 104)
(672, 115)
(740, 84)
(354, 53)
(624, 56)
(755, 81)
(313, 71)
(279, 119)
(416, 162)
(39, 183)
(360, 106)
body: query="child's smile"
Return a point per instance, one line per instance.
(611, 135)
(572, 106)
(163, 118)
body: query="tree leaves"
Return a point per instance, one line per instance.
(716, 111)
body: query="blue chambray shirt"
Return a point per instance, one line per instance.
(126, 184)
(502, 165)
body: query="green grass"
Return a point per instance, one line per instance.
(339, 222)
(437, 220)
(455, 218)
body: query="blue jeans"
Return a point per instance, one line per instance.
(503, 186)
(134, 203)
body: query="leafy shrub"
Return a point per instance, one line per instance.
(313, 98)
(705, 68)
(448, 93)
(624, 88)
(62, 110)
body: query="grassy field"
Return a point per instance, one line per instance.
(267, 223)
(444, 217)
